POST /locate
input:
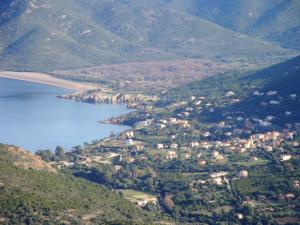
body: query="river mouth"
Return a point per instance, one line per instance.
(32, 117)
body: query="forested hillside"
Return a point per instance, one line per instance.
(269, 92)
(30, 195)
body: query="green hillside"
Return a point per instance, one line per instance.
(47, 35)
(253, 90)
(38, 197)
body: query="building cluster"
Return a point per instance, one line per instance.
(267, 141)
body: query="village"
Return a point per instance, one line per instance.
(229, 148)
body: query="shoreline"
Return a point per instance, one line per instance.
(46, 79)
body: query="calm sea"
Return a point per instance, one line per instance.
(32, 117)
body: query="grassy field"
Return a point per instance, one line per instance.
(135, 196)
(254, 163)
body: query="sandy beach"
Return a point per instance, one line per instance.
(43, 78)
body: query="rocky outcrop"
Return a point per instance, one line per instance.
(24, 159)
(101, 97)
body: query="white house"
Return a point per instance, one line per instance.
(159, 146)
(130, 134)
(229, 94)
(243, 174)
(239, 216)
(286, 157)
(271, 93)
(215, 154)
(171, 155)
(174, 146)
(129, 142)
(173, 120)
(195, 144)
(161, 126)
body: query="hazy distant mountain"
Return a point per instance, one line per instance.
(47, 35)
(277, 21)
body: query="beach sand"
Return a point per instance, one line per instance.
(43, 78)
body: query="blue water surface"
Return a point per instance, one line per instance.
(32, 117)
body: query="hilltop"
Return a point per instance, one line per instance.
(25, 160)
(50, 35)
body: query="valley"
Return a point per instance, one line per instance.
(155, 77)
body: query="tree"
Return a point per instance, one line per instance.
(168, 203)
(149, 184)
(59, 152)
(247, 209)
(46, 155)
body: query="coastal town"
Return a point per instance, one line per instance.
(208, 157)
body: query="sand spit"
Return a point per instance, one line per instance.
(43, 78)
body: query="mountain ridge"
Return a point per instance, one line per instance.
(45, 36)
(267, 19)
